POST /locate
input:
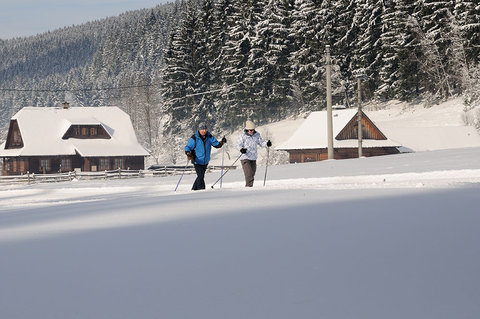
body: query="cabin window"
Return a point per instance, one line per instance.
(86, 131)
(118, 163)
(104, 164)
(66, 165)
(44, 165)
(17, 140)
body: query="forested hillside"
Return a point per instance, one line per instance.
(266, 58)
(225, 60)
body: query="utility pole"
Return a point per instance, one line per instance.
(329, 104)
(359, 115)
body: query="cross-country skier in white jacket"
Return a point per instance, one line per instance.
(247, 144)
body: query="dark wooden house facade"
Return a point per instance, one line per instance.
(52, 140)
(310, 143)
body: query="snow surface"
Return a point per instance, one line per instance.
(381, 237)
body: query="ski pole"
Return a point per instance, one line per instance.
(226, 171)
(266, 167)
(221, 172)
(181, 175)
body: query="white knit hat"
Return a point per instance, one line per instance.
(249, 125)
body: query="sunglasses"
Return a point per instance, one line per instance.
(250, 130)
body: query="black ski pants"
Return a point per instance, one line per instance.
(249, 169)
(200, 180)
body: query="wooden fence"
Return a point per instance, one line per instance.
(113, 174)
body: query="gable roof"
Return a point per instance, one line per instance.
(312, 133)
(42, 129)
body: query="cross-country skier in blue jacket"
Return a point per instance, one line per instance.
(198, 150)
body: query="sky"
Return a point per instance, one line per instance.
(20, 18)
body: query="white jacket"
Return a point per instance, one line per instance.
(250, 142)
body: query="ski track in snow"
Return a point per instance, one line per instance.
(407, 180)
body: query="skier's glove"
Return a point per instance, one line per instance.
(243, 150)
(269, 143)
(189, 156)
(222, 141)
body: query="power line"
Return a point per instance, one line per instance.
(102, 89)
(78, 90)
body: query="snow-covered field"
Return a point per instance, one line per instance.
(385, 237)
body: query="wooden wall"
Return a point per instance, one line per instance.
(14, 137)
(369, 130)
(314, 155)
(22, 165)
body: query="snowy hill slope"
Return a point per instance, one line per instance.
(427, 128)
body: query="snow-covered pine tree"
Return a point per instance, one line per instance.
(275, 30)
(205, 77)
(392, 42)
(308, 55)
(457, 63)
(345, 31)
(236, 50)
(174, 82)
(368, 57)
(408, 80)
(222, 24)
(257, 71)
(467, 14)
(336, 20)
(434, 24)
(181, 81)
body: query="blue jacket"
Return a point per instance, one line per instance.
(202, 148)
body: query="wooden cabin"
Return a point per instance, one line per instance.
(309, 142)
(46, 140)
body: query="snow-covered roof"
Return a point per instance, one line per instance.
(42, 129)
(312, 134)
